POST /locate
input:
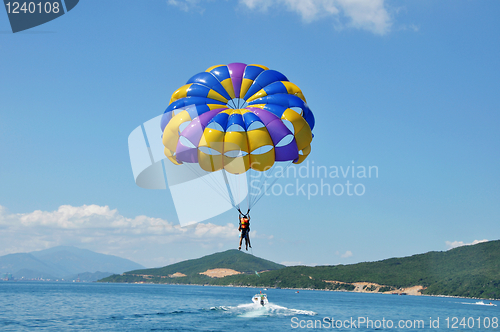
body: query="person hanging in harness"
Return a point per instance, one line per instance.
(244, 228)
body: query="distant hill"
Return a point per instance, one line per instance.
(88, 276)
(62, 262)
(27, 263)
(28, 274)
(230, 259)
(468, 271)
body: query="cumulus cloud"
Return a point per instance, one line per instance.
(309, 10)
(456, 244)
(371, 15)
(146, 240)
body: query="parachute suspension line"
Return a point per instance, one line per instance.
(272, 169)
(258, 184)
(228, 187)
(212, 176)
(255, 185)
(242, 191)
(214, 184)
(249, 186)
(238, 189)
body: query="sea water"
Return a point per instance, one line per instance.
(58, 306)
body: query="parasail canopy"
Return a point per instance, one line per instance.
(235, 119)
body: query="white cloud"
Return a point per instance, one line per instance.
(368, 15)
(146, 240)
(186, 5)
(456, 244)
(347, 254)
(309, 10)
(414, 27)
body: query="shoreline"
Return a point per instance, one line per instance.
(309, 289)
(235, 286)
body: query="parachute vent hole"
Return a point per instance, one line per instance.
(215, 125)
(297, 109)
(235, 153)
(184, 141)
(255, 125)
(209, 151)
(262, 149)
(289, 125)
(235, 127)
(285, 141)
(192, 111)
(184, 125)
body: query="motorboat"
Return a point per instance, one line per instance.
(260, 299)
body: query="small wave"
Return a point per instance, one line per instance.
(176, 312)
(248, 306)
(147, 314)
(284, 311)
(222, 307)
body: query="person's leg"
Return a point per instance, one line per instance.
(247, 242)
(241, 239)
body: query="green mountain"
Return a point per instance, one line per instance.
(469, 271)
(230, 259)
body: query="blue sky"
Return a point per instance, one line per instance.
(410, 87)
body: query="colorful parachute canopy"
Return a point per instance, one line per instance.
(236, 118)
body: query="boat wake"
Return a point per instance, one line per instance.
(252, 310)
(480, 303)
